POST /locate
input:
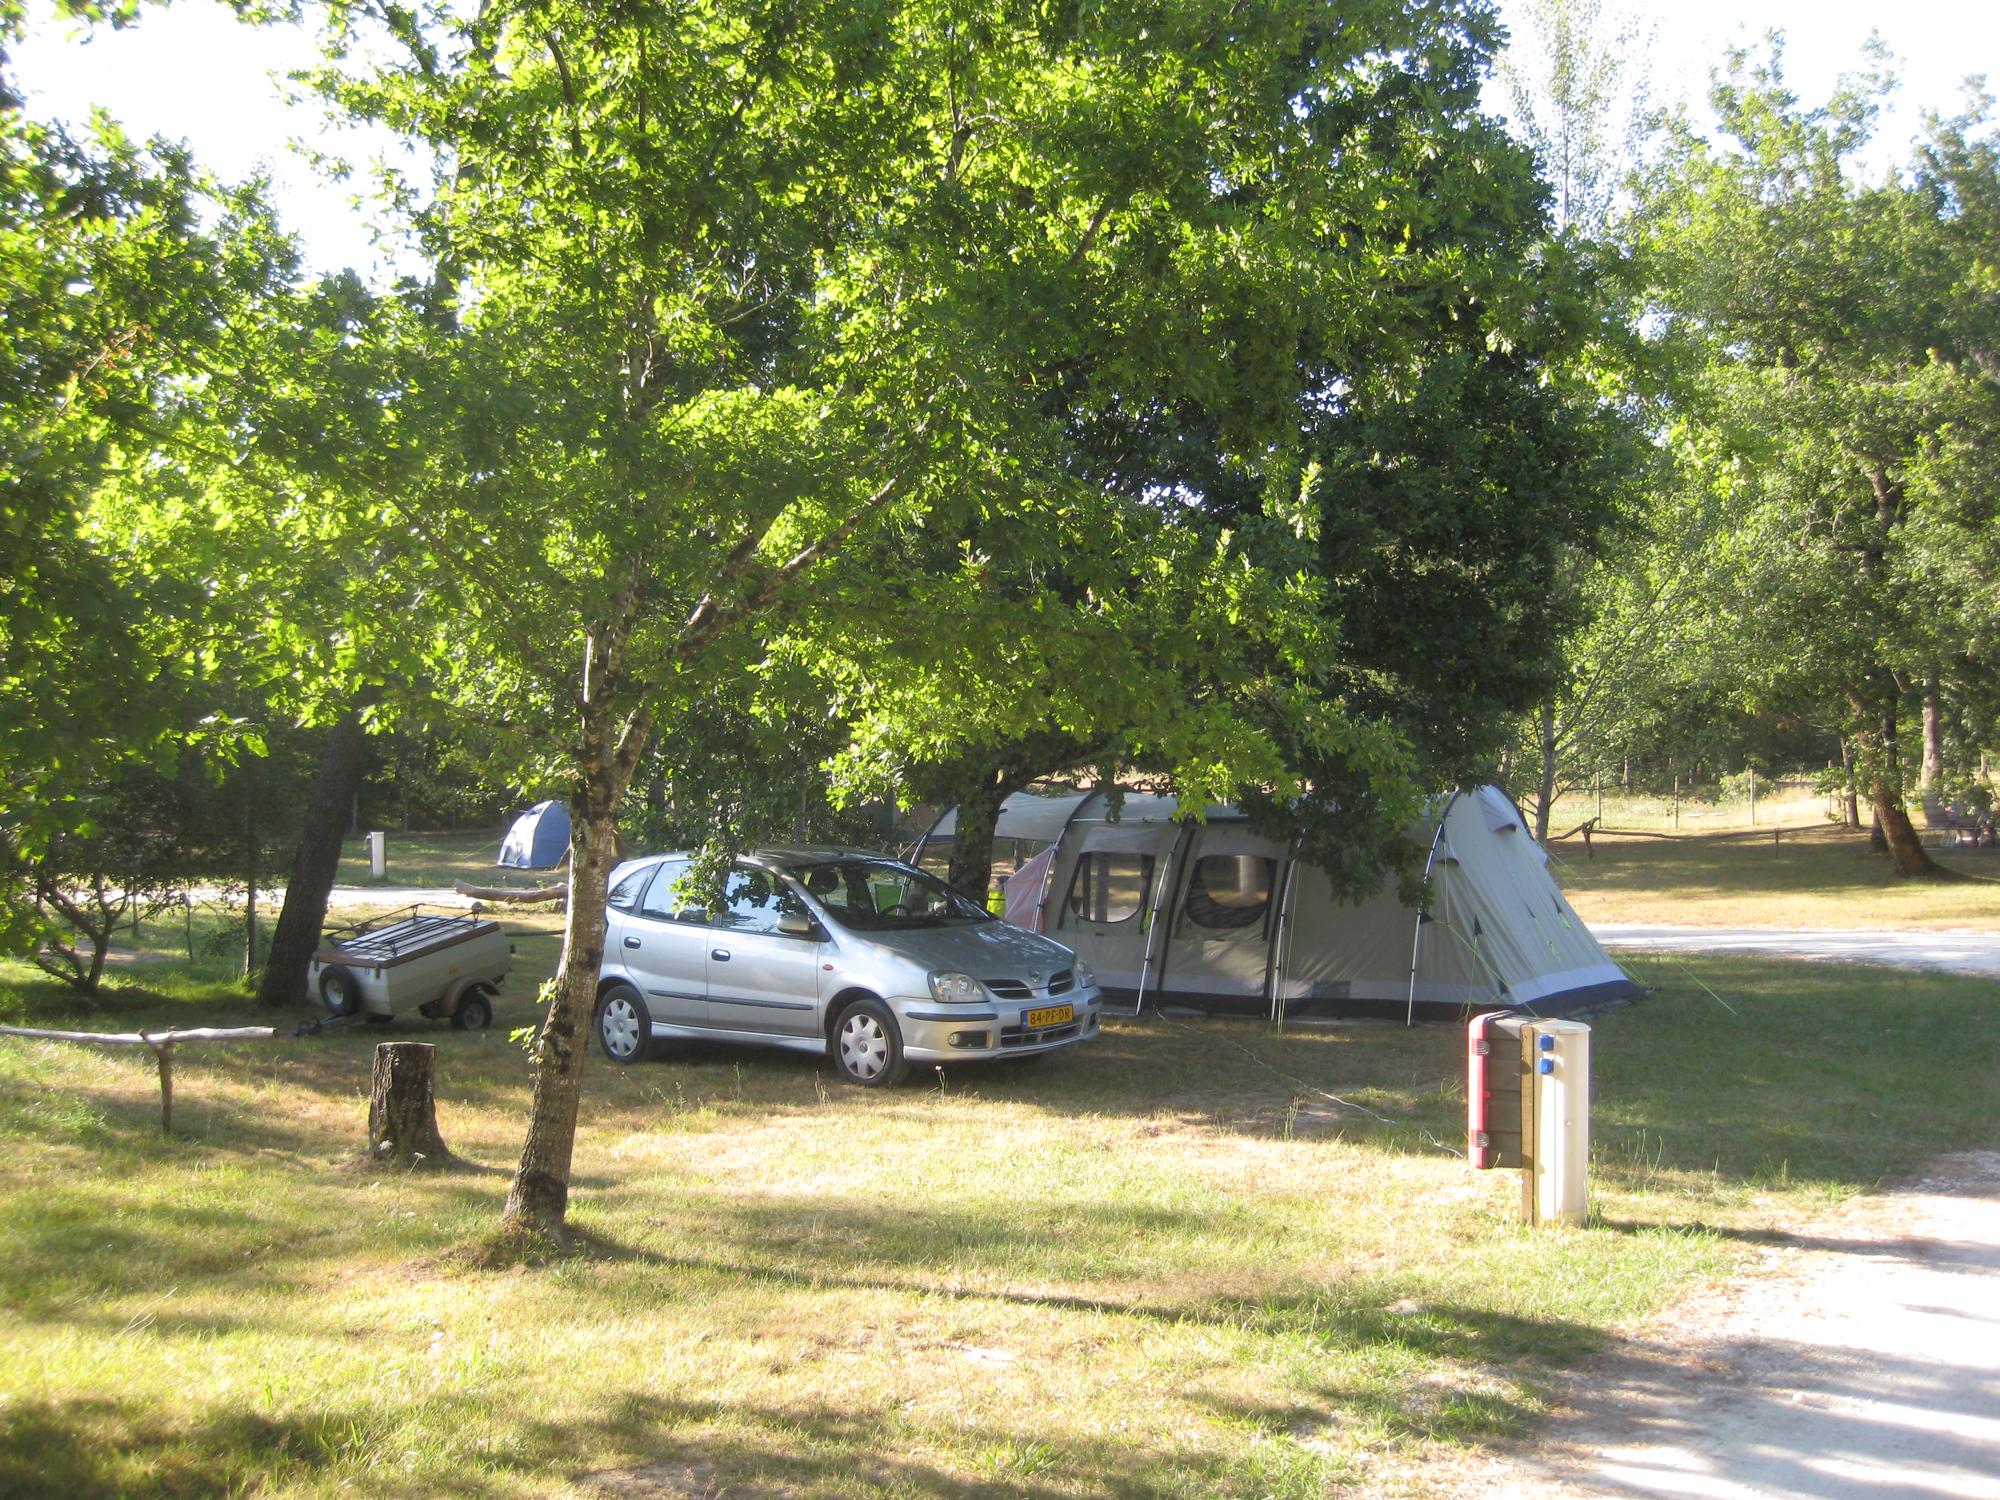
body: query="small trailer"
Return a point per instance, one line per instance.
(441, 966)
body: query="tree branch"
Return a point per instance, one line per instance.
(709, 620)
(1089, 235)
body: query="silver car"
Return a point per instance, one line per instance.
(853, 954)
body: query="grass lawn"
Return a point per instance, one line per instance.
(435, 859)
(1815, 876)
(1189, 1260)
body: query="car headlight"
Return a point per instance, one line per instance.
(953, 988)
(1085, 975)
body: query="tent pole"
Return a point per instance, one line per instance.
(1049, 875)
(1417, 935)
(1153, 923)
(917, 849)
(1281, 941)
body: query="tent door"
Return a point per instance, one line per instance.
(1100, 903)
(1217, 951)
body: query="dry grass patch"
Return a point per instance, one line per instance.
(1168, 1264)
(1812, 877)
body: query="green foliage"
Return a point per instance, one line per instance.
(123, 270)
(1833, 340)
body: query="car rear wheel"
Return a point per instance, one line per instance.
(624, 1025)
(867, 1046)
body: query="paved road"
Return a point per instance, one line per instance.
(391, 896)
(1948, 952)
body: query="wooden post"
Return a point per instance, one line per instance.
(160, 1043)
(1677, 802)
(402, 1106)
(163, 1053)
(1751, 771)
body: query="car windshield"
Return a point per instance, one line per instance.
(878, 895)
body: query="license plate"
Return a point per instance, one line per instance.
(1054, 1015)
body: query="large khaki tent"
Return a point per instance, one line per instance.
(1212, 916)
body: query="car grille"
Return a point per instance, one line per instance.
(1021, 1036)
(1014, 989)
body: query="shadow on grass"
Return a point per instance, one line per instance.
(93, 1449)
(1347, 1316)
(693, 1450)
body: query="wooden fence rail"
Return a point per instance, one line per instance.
(162, 1044)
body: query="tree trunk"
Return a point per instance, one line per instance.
(538, 1201)
(1932, 766)
(251, 877)
(1853, 787)
(1905, 848)
(1878, 838)
(1545, 789)
(980, 796)
(402, 1107)
(1911, 859)
(971, 868)
(315, 864)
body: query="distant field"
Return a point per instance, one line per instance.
(1192, 1261)
(1815, 876)
(1787, 804)
(435, 859)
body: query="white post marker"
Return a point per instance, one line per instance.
(378, 856)
(1558, 1169)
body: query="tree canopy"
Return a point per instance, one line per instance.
(1835, 336)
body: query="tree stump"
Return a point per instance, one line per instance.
(402, 1107)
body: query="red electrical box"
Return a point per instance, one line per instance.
(1496, 1086)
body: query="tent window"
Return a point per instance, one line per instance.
(1230, 890)
(1109, 887)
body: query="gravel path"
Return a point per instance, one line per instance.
(1948, 952)
(1862, 1359)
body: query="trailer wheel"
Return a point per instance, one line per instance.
(474, 1013)
(339, 990)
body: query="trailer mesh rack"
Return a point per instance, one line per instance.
(401, 936)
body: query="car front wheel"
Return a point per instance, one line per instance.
(867, 1047)
(624, 1025)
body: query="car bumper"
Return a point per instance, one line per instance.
(934, 1033)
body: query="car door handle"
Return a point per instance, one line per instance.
(720, 955)
(631, 942)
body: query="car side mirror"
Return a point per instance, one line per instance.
(797, 924)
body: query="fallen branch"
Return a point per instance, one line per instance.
(558, 893)
(162, 1044)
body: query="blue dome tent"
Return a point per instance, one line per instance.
(539, 839)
